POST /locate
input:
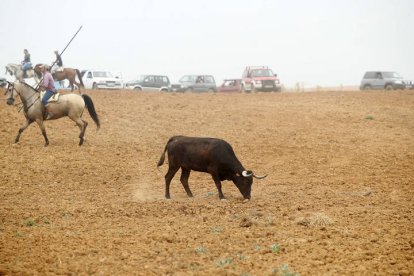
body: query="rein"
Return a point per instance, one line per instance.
(36, 92)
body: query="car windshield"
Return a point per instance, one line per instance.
(391, 75)
(102, 74)
(262, 73)
(188, 79)
(140, 78)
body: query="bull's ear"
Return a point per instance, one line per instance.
(247, 173)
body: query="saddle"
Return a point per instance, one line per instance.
(54, 98)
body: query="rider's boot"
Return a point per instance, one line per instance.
(49, 113)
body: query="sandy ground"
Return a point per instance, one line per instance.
(338, 199)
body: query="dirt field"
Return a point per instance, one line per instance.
(338, 199)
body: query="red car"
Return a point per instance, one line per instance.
(259, 78)
(230, 85)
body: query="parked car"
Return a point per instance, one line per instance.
(230, 85)
(3, 82)
(382, 80)
(259, 78)
(196, 83)
(94, 79)
(150, 83)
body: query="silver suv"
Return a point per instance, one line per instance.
(382, 80)
(195, 83)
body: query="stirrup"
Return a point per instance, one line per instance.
(49, 115)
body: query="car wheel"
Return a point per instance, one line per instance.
(164, 90)
(138, 89)
(94, 86)
(252, 89)
(189, 89)
(389, 87)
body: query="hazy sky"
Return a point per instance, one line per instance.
(319, 42)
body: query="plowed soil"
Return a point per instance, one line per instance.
(338, 198)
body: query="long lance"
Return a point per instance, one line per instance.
(67, 45)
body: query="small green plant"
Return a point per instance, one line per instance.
(257, 248)
(284, 270)
(369, 117)
(29, 222)
(200, 249)
(19, 234)
(224, 262)
(194, 267)
(242, 257)
(66, 215)
(210, 193)
(245, 274)
(275, 248)
(217, 230)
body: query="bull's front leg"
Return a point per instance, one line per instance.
(185, 174)
(217, 181)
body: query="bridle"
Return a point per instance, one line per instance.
(10, 100)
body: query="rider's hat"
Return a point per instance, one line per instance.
(45, 66)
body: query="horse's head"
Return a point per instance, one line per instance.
(10, 93)
(38, 70)
(9, 70)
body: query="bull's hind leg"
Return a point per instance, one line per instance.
(26, 124)
(168, 177)
(82, 126)
(185, 174)
(42, 127)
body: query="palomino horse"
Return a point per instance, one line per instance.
(16, 70)
(67, 73)
(71, 105)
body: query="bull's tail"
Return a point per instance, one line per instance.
(162, 158)
(80, 78)
(91, 108)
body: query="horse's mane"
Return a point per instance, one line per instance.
(28, 85)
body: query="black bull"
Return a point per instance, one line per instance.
(210, 155)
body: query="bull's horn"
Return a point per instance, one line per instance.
(259, 176)
(247, 173)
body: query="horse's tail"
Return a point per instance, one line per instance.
(80, 78)
(91, 108)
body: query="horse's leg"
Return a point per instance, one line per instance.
(79, 87)
(26, 124)
(42, 127)
(82, 126)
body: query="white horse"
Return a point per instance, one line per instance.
(16, 70)
(71, 105)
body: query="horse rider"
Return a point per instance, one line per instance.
(26, 63)
(58, 63)
(47, 84)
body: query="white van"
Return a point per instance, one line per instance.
(95, 79)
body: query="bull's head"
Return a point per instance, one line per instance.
(244, 182)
